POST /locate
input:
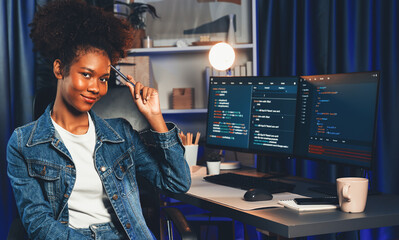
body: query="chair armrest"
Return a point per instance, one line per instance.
(180, 223)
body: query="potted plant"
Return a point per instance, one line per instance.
(213, 162)
(214, 156)
(136, 17)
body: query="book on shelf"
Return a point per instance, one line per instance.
(249, 68)
(237, 71)
(243, 71)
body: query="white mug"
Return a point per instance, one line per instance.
(352, 193)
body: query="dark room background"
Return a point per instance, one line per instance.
(295, 37)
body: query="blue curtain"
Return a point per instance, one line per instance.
(305, 37)
(16, 88)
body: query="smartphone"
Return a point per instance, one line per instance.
(315, 201)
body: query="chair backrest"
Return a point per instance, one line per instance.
(119, 103)
(42, 98)
(17, 230)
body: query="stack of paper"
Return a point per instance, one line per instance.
(301, 208)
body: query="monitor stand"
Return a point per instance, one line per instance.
(264, 164)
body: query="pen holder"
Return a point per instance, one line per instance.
(190, 154)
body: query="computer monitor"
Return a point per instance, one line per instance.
(325, 117)
(252, 114)
(336, 118)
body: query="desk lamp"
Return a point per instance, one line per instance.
(221, 57)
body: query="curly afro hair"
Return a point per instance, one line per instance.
(67, 28)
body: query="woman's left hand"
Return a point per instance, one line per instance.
(147, 101)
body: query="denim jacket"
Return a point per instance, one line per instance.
(42, 173)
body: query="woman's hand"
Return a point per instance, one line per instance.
(147, 101)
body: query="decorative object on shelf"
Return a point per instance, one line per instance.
(231, 36)
(219, 25)
(181, 43)
(205, 38)
(147, 42)
(221, 56)
(183, 98)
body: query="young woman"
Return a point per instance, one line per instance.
(73, 173)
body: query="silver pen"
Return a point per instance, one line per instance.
(122, 75)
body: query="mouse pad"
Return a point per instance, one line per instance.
(232, 197)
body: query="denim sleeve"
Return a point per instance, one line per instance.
(160, 159)
(34, 210)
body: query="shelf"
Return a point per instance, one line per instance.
(182, 49)
(184, 111)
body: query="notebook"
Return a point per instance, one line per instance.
(304, 208)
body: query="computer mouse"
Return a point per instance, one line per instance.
(256, 194)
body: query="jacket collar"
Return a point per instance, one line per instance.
(44, 131)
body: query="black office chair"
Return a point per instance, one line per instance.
(118, 103)
(17, 230)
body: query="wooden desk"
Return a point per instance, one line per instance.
(381, 211)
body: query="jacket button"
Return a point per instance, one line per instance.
(103, 169)
(43, 172)
(66, 195)
(115, 197)
(128, 225)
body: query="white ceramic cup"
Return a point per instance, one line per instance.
(352, 193)
(191, 154)
(213, 167)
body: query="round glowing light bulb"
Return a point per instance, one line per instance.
(221, 56)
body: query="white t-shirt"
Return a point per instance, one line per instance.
(88, 203)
